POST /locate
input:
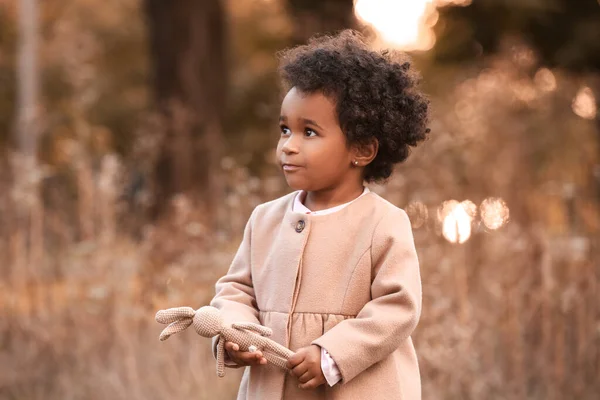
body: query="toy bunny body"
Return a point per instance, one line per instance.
(208, 322)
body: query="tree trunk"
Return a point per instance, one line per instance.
(596, 168)
(27, 228)
(27, 79)
(187, 40)
(320, 16)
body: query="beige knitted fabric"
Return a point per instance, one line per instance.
(208, 323)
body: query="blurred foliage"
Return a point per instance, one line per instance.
(510, 313)
(253, 107)
(563, 32)
(93, 66)
(7, 71)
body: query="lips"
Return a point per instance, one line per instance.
(289, 166)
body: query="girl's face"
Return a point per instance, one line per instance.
(312, 149)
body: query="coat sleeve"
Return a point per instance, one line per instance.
(392, 314)
(234, 291)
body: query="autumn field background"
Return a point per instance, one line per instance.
(136, 136)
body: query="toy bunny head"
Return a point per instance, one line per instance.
(208, 321)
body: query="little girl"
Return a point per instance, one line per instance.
(332, 268)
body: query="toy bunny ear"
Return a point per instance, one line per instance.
(178, 318)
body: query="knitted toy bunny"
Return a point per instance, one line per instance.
(208, 323)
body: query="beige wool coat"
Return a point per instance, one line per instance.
(347, 281)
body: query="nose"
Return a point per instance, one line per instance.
(290, 145)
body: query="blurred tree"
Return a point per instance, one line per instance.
(188, 47)
(318, 16)
(24, 165)
(8, 33)
(563, 34)
(28, 78)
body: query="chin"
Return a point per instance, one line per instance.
(296, 184)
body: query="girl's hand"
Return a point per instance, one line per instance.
(306, 366)
(244, 358)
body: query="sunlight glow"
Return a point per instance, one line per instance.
(398, 22)
(404, 24)
(462, 3)
(494, 212)
(470, 208)
(584, 103)
(456, 219)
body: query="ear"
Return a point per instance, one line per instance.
(363, 154)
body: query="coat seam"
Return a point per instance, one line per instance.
(360, 258)
(351, 277)
(377, 226)
(373, 237)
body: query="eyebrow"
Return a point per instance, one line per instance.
(283, 118)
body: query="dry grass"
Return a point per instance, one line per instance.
(78, 322)
(510, 314)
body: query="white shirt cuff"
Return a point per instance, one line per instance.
(330, 368)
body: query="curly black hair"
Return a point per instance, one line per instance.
(375, 93)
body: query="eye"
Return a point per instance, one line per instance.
(285, 130)
(310, 132)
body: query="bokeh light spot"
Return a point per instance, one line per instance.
(584, 103)
(418, 214)
(494, 212)
(456, 221)
(544, 79)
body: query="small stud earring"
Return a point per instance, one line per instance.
(355, 162)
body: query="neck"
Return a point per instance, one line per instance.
(323, 199)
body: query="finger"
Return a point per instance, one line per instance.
(251, 358)
(254, 354)
(300, 370)
(296, 359)
(261, 360)
(240, 357)
(313, 383)
(238, 360)
(232, 346)
(307, 376)
(247, 357)
(258, 355)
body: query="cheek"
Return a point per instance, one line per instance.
(333, 156)
(279, 146)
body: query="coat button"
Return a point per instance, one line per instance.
(300, 226)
